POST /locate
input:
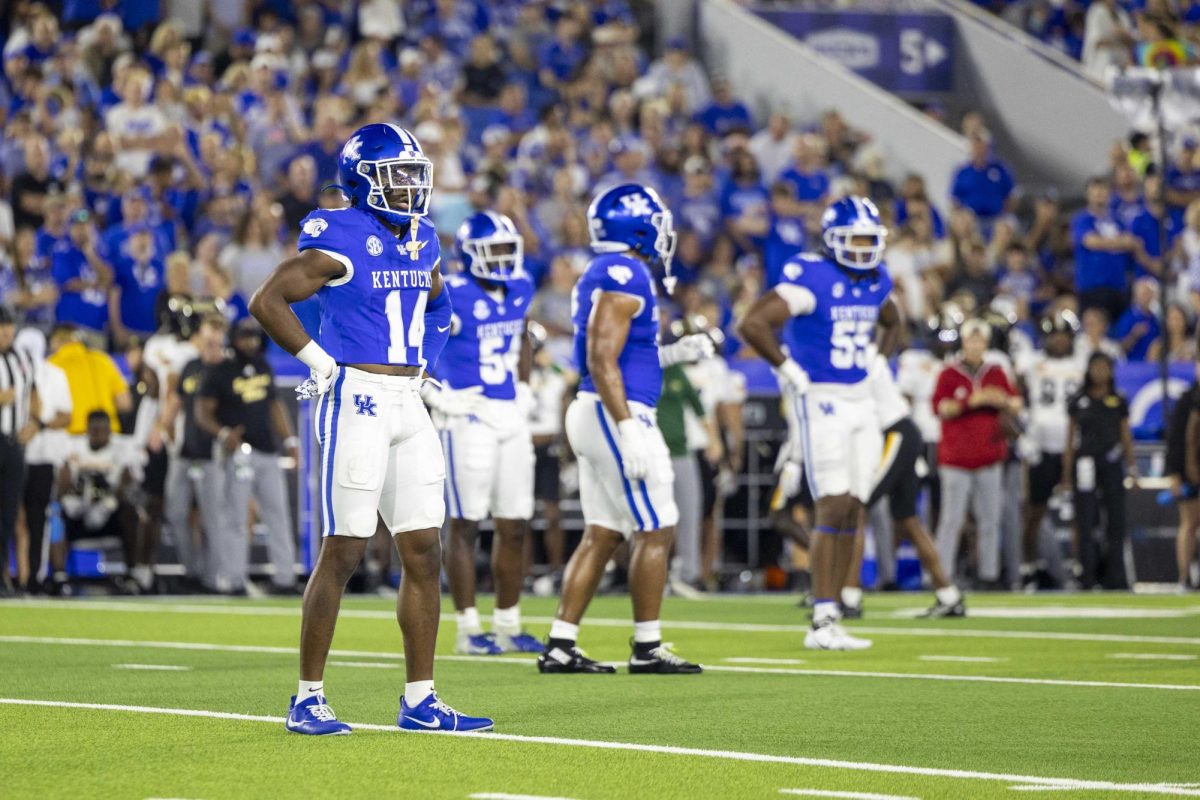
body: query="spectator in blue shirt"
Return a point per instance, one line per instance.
(138, 278)
(1183, 179)
(1104, 253)
(744, 202)
(83, 277)
(808, 175)
(561, 56)
(1137, 327)
(724, 114)
(1148, 226)
(1128, 202)
(325, 149)
(699, 206)
(786, 232)
(984, 184)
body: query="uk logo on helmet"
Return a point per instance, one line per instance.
(638, 205)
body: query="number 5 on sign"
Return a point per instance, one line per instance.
(850, 341)
(402, 336)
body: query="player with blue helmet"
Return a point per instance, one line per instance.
(482, 410)
(385, 315)
(831, 306)
(625, 476)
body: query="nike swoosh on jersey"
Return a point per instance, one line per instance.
(443, 330)
(433, 724)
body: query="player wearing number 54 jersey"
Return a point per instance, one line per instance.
(384, 318)
(625, 478)
(482, 410)
(830, 305)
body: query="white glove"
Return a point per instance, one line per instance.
(635, 450)
(526, 402)
(453, 402)
(687, 350)
(316, 385)
(792, 377)
(789, 480)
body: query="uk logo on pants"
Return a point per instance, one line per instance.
(365, 404)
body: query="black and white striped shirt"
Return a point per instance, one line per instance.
(16, 372)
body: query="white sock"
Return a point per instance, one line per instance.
(309, 689)
(564, 630)
(468, 621)
(948, 595)
(645, 632)
(415, 692)
(825, 610)
(852, 596)
(507, 620)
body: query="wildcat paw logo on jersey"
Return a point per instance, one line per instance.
(481, 309)
(637, 205)
(315, 227)
(620, 274)
(365, 404)
(792, 270)
(374, 246)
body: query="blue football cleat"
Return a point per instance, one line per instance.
(519, 643)
(479, 644)
(431, 714)
(315, 718)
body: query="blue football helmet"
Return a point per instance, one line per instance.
(849, 219)
(631, 217)
(490, 247)
(383, 168)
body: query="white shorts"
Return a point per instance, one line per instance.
(489, 460)
(608, 499)
(380, 456)
(841, 440)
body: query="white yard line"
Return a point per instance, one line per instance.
(527, 662)
(1153, 656)
(778, 661)
(507, 796)
(153, 667)
(600, 622)
(963, 659)
(695, 752)
(846, 795)
(1062, 612)
(364, 664)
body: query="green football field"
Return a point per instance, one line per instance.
(1084, 696)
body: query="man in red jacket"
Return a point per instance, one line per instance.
(972, 397)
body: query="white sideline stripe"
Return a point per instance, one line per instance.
(153, 667)
(507, 796)
(834, 673)
(729, 755)
(1063, 612)
(600, 622)
(1153, 656)
(847, 795)
(782, 661)
(963, 659)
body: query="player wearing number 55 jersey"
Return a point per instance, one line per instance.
(625, 478)
(384, 317)
(829, 306)
(482, 410)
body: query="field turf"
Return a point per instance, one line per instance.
(1084, 696)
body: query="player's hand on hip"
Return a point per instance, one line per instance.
(316, 385)
(687, 350)
(634, 448)
(452, 402)
(792, 378)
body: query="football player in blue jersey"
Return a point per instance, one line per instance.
(482, 411)
(625, 476)
(832, 305)
(384, 319)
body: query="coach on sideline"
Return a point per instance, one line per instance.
(18, 423)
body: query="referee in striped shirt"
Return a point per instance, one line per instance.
(18, 423)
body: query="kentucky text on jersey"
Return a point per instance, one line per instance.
(512, 327)
(375, 312)
(838, 313)
(401, 279)
(485, 340)
(621, 274)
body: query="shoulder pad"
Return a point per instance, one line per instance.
(456, 281)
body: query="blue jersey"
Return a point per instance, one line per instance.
(375, 313)
(486, 336)
(623, 274)
(832, 342)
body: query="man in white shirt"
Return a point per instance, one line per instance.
(134, 125)
(773, 147)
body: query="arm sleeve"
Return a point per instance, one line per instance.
(323, 230)
(800, 300)
(437, 327)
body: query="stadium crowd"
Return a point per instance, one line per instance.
(157, 158)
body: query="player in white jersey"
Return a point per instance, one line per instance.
(482, 412)
(625, 476)
(1050, 380)
(830, 305)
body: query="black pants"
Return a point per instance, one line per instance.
(39, 486)
(1109, 494)
(1113, 301)
(12, 484)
